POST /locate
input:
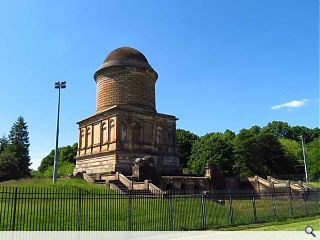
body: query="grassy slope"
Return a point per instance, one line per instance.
(47, 183)
(60, 209)
(314, 184)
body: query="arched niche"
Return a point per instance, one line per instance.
(89, 136)
(136, 133)
(104, 133)
(82, 138)
(159, 135)
(112, 130)
(170, 137)
(123, 131)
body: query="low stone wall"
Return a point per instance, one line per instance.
(95, 164)
(185, 183)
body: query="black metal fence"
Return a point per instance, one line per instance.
(52, 209)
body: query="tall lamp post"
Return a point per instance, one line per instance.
(304, 158)
(57, 85)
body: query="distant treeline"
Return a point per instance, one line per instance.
(275, 149)
(271, 150)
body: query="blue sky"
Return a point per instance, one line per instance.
(223, 64)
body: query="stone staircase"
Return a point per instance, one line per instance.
(126, 185)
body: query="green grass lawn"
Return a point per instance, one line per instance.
(287, 225)
(73, 204)
(314, 184)
(72, 183)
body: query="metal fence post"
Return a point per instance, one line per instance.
(254, 207)
(129, 211)
(231, 209)
(290, 202)
(319, 199)
(14, 208)
(170, 213)
(79, 210)
(305, 201)
(273, 207)
(203, 212)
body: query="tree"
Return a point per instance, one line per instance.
(293, 154)
(3, 143)
(213, 148)
(66, 154)
(243, 153)
(313, 159)
(270, 150)
(279, 129)
(258, 153)
(185, 140)
(19, 141)
(298, 131)
(8, 164)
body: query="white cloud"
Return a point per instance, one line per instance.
(290, 105)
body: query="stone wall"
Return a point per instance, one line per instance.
(94, 164)
(129, 134)
(125, 86)
(187, 183)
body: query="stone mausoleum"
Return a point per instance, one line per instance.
(126, 124)
(128, 145)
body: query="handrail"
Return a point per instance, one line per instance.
(263, 181)
(87, 178)
(155, 190)
(125, 181)
(114, 187)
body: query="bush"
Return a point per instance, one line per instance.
(64, 169)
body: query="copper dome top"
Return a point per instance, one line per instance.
(125, 56)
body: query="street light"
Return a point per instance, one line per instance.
(304, 158)
(57, 85)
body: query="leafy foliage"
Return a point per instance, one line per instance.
(66, 161)
(293, 153)
(258, 153)
(313, 159)
(8, 164)
(272, 150)
(64, 169)
(213, 148)
(185, 140)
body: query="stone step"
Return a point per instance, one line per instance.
(100, 181)
(126, 191)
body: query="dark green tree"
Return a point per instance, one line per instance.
(212, 148)
(293, 154)
(3, 143)
(279, 129)
(8, 164)
(19, 141)
(313, 159)
(243, 152)
(315, 133)
(258, 153)
(185, 140)
(307, 133)
(66, 154)
(270, 151)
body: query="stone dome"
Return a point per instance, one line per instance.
(125, 56)
(125, 78)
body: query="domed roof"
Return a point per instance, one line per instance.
(125, 56)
